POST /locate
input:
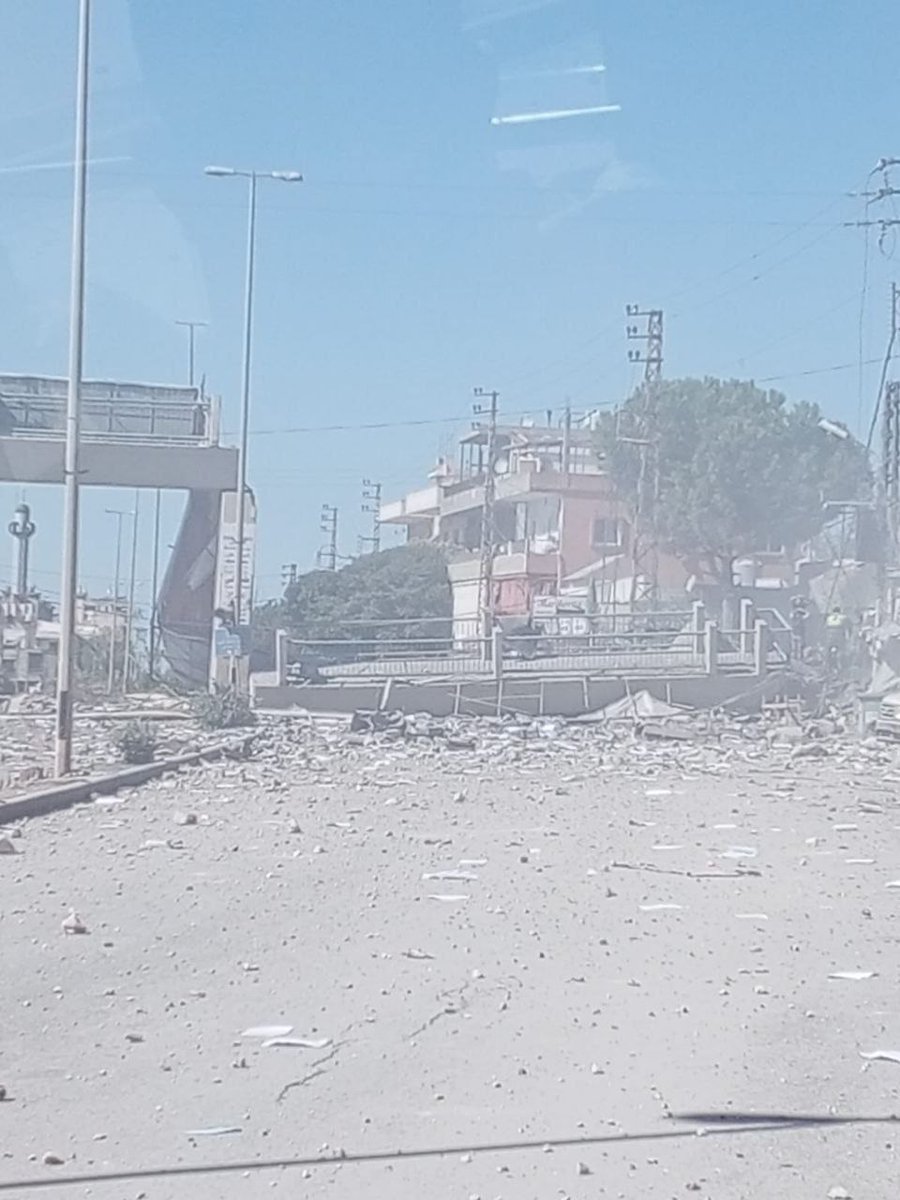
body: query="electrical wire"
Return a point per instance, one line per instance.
(457, 419)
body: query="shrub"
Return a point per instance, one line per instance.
(136, 742)
(224, 710)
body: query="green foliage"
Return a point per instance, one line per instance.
(401, 583)
(738, 467)
(136, 742)
(226, 709)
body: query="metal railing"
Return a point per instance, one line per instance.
(118, 420)
(697, 647)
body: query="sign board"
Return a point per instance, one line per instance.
(227, 644)
(226, 556)
(557, 606)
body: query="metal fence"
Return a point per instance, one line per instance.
(118, 420)
(434, 646)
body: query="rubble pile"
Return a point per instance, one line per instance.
(568, 941)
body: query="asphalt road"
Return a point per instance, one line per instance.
(629, 934)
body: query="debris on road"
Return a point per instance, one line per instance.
(880, 1055)
(73, 923)
(300, 1043)
(267, 1031)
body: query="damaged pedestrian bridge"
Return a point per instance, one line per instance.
(695, 663)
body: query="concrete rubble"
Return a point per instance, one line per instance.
(556, 953)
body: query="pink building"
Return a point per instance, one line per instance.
(559, 527)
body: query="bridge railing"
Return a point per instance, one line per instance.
(116, 420)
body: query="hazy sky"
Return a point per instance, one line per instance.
(429, 250)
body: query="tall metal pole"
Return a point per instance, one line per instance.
(154, 586)
(488, 531)
(245, 403)
(253, 176)
(114, 627)
(64, 679)
(129, 627)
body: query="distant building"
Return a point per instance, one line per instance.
(29, 636)
(559, 527)
(563, 537)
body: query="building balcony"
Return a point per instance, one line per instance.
(420, 505)
(469, 494)
(515, 561)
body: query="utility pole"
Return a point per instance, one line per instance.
(488, 530)
(23, 529)
(129, 626)
(69, 571)
(644, 552)
(878, 196)
(889, 398)
(289, 574)
(371, 503)
(327, 557)
(652, 335)
(155, 631)
(118, 513)
(566, 471)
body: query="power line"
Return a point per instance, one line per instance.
(456, 419)
(816, 371)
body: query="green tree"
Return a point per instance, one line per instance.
(733, 467)
(396, 585)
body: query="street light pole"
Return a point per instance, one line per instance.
(69, 579)
(245, 402)
(132, 580)
(118, 513)
(252, 176)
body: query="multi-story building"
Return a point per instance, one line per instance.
(558, 526)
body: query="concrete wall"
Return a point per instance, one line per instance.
(533, 696)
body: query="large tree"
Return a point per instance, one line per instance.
(721, 468)
(394, 585)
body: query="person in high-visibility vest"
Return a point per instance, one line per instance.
(837, 634)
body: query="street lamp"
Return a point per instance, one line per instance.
(253, 176)
(119, 514)
(68, 583)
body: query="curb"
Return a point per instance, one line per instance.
(76, 791)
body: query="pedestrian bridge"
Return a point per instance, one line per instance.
(136, 435)
(132, 435)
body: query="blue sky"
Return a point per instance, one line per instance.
(429, 251)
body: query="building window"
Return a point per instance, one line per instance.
(607, 533)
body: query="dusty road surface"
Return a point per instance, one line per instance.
(532, 954)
